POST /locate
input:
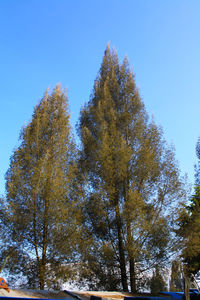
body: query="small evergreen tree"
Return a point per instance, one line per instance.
(176, 282)
(157, 283)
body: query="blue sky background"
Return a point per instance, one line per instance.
(50, 41)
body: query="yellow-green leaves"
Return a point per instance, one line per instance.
(42, 189)
(132, 175)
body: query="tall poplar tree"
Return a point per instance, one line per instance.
(41, 190)
(133, 180)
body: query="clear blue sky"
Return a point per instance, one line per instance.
(50, 41)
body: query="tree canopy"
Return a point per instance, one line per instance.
(104, 212)
(41, 190)
(133, 180)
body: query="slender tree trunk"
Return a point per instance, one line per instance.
(43, 260)
(42, 276)
(132, 275)
(131, 259)
(186, 286)
(129, 236)
(122, 260)
(45, 224)
(45, 233)
(44, 249)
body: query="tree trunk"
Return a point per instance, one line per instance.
(122, 260)
(43, 260)
(42, 276)
(45, 231)
(132, 275)
(131, 258)
(186, 287)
